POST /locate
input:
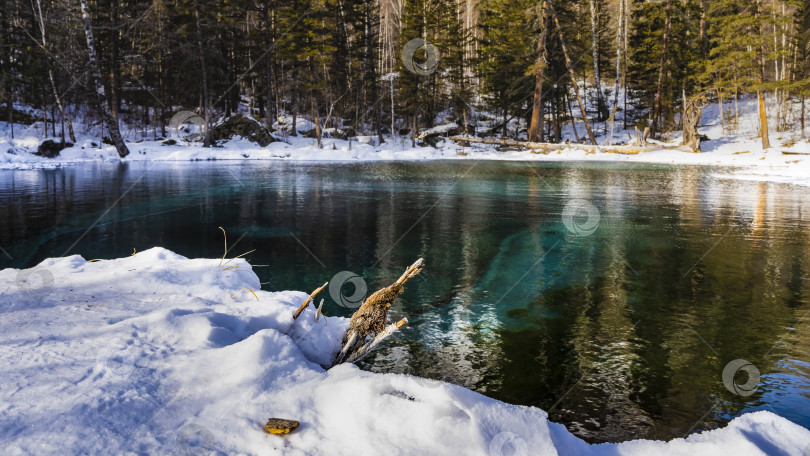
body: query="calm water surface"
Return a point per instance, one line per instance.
(619, 334)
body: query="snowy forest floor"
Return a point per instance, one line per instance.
(742, 150)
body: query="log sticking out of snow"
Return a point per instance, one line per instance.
(363, 351)
(370, 318)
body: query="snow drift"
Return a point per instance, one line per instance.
(159, 354)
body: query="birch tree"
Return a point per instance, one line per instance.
(98, 84)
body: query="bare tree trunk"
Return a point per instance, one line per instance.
(692, 112)
(204, 70)
(268, 68)
(294, 101)
(722, 117)
(371, 70)
(619, 29)
(555, 116)
(571, 115)
(115, 96)
(414, 131)
(391, 79)
(763, 113)
(314, 106)
(600, 99)
(101, 98)
(4, 64)
(571, 73)
(736, 111)
(702, 36)
(53, 82)
(657, 107)
(626, 47)
(536, 127)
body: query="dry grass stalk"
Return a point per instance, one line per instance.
(308, 300)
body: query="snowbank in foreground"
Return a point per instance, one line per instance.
(158, 354)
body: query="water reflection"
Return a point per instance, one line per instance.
(620, 334)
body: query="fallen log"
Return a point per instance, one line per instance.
(548, 147)
(788, 152)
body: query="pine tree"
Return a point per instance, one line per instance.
(658, 77)
(507, 50)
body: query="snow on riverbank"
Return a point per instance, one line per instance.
(158, 354)
(746, 156)
(741, 151)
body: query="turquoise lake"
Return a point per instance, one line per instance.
(612, 296)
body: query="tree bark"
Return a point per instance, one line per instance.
(763, 113)
(115, 71)
(571, 73)
(536, 127)
(600, 100)
(692, 112)
(204, 70)
(657, 106)
(619, 29)
(624, 58)
(101, 98)
(268, 69)
(702, 36)
(56, 96)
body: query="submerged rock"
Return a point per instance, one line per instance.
(240, 125)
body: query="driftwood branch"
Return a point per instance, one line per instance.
(308, 300)
(370, 318)
(350, 340)
(363, 351)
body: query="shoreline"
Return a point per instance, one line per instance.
(750, 165)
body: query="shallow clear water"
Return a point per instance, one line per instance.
(619, 334)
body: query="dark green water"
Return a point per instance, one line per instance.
(621, 333)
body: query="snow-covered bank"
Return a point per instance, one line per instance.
(158, 354)
(740, 148)
(747, 157)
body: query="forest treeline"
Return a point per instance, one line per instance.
(377, 66)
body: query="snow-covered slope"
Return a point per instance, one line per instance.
(158, 354)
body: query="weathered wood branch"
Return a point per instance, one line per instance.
(363, 351)
(308, 300)
(370, 318)
(351, 338)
